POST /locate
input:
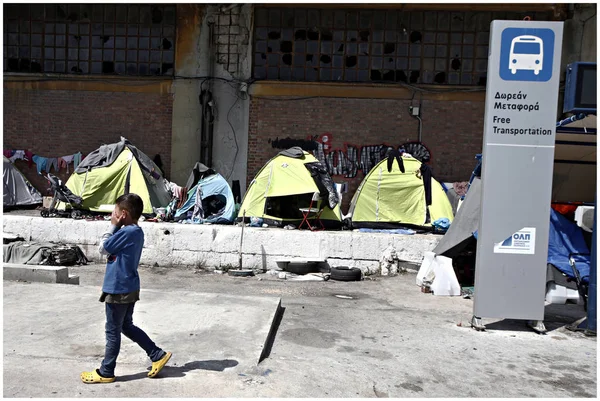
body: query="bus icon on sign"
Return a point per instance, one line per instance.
(526, 53)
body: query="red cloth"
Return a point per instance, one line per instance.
(565, 209)
(29, 157)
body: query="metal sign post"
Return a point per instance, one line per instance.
(518, 157)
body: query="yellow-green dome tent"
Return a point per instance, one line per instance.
(116, 169)
(392, 199)
(281, 188)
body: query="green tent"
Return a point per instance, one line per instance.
(116, 169)
(391, 199)
(283, 186)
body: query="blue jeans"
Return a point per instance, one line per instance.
(119, 319)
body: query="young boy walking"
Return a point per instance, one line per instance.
(121, 289)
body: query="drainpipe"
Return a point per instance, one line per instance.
(207, 101)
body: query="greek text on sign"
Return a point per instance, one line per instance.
(521, 242)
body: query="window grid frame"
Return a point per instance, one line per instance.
(479, 24)
(21, 14)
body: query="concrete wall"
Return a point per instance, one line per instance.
(579, 39)
(214, 246)
(226, 63)
(185, 139)
(590, 36)
(233, 61)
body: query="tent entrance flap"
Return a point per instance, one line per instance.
(287, 207)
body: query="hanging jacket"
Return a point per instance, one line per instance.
(426, 176)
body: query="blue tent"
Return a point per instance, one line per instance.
(566, 238)
(215, 191)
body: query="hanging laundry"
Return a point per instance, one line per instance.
(77, 159)
(67, 160)
(426, 173)
(41, 163)
(176, 190)
(63, 164)
(29, 157)
(64, 161)
(183, 197)
(19, 154)
(52, 161)
(391, 155)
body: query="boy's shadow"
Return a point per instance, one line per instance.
(180, 371)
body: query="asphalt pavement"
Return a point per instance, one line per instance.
(380, 337)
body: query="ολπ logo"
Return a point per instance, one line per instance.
(526, 54)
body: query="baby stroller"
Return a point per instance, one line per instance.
(62, 194)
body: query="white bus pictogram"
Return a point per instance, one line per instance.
(526, 53)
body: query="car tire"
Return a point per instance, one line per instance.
(302, 268)
(345, 273)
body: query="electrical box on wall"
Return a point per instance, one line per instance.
(414, 110)
(580, 88)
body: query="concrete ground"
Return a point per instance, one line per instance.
(375, 338)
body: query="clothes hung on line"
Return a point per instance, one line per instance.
(77, 158)
(45, 164)
(29, 157)
(64, 161)
(19, 154)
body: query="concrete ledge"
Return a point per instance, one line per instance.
(35, 273)
(215, 246)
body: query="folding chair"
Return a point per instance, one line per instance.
(313, 212)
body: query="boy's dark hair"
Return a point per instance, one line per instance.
(132, 203)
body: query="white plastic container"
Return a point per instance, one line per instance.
(558, 294)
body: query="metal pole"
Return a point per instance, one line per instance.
(242, 237)
(591, 304)
(570, 120)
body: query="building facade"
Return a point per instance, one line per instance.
(233, 85)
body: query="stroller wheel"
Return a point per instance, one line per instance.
(75, 214)
(45, 213)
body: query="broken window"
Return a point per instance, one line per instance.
(113, 39)
(423, 47)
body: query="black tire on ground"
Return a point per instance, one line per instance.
(302, 268)
(345, 273)
(241, 273)
(44, 213)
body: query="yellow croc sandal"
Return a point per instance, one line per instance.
(158, 365)
(94, 377)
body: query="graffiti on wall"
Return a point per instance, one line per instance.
(348, 160)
